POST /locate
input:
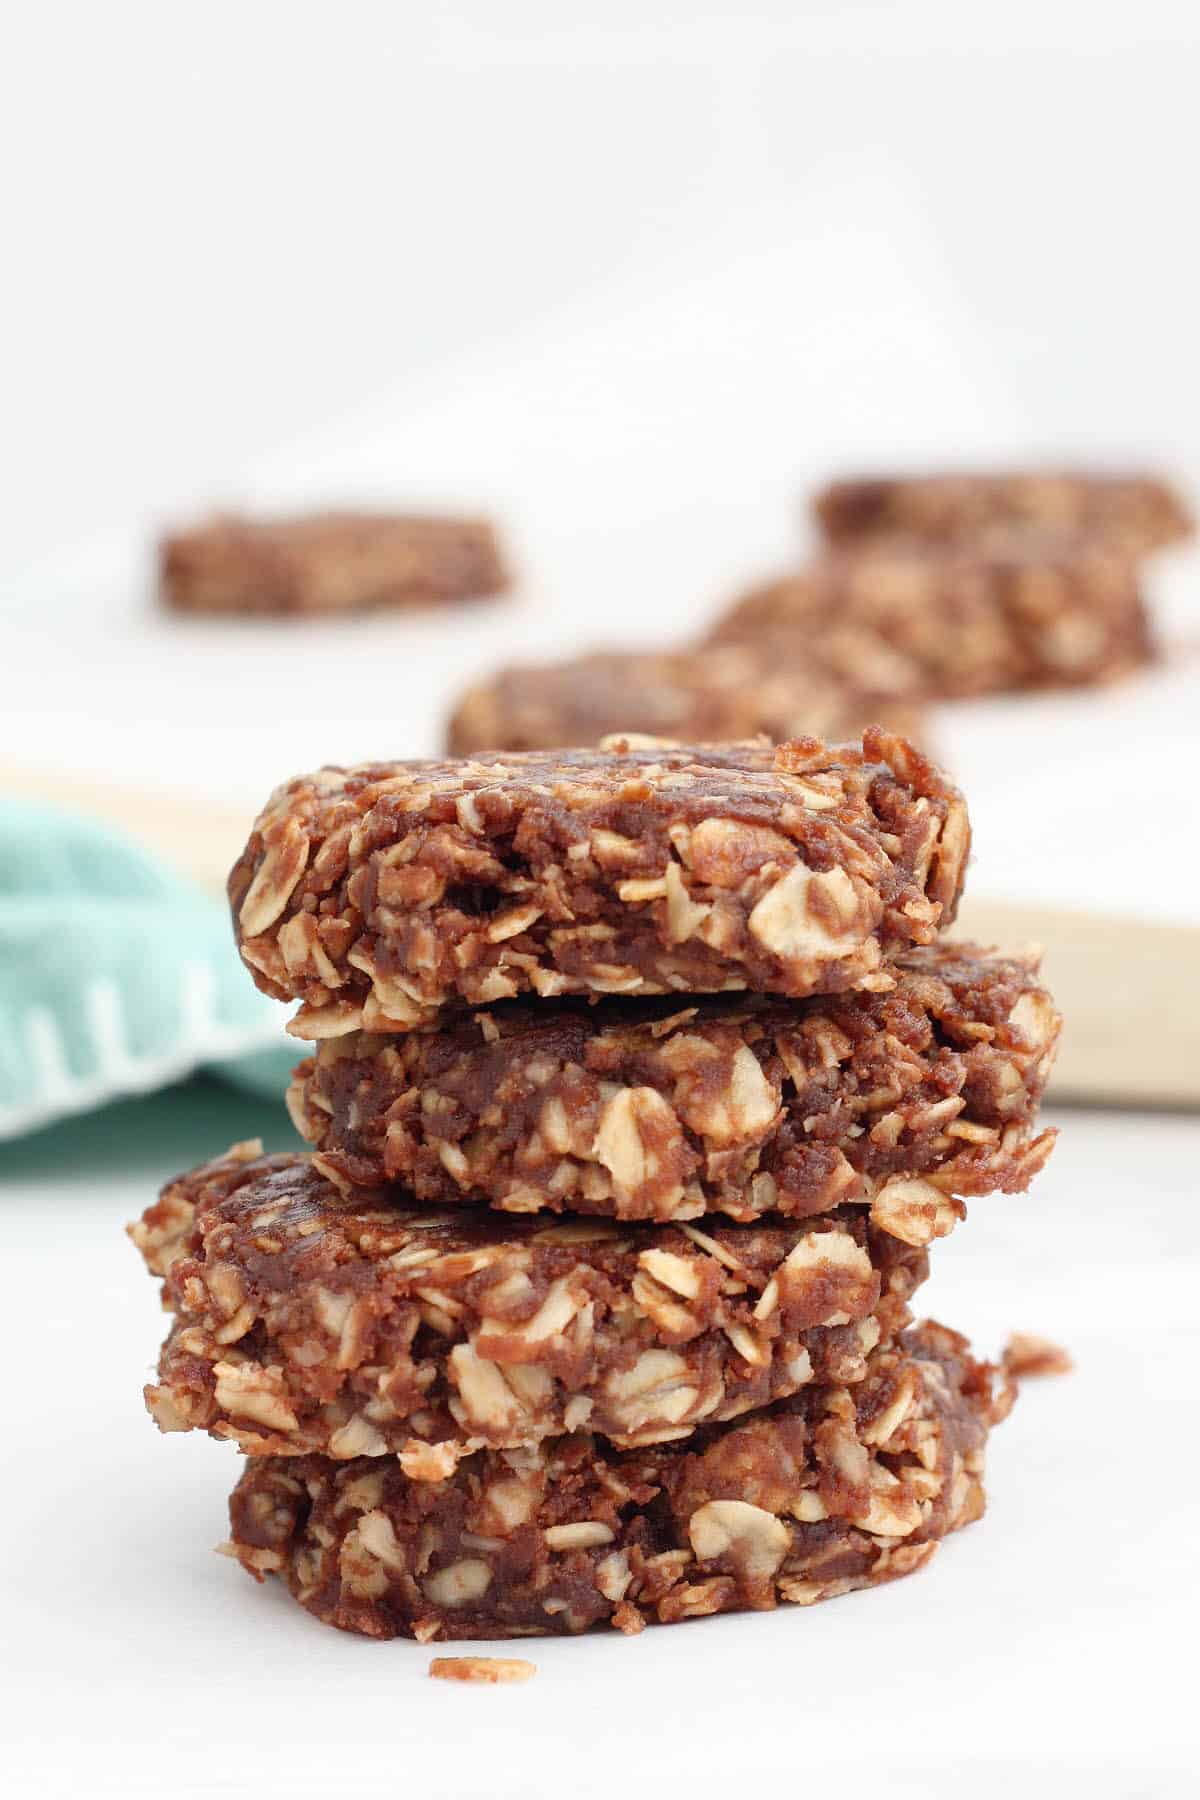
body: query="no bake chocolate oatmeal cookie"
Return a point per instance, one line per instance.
(1139, 512)
(835, 1489)
(720, 694)
(649, 1109)
(947, 621)
(306, 1320)
(329, 563)
(378, 894)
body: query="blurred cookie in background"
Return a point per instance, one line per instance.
(1138, 512)
(932, 621)
(329, 562)
(718, 694)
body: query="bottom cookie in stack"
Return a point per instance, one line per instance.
(835, 1488)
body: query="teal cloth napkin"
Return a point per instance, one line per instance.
(116, 976)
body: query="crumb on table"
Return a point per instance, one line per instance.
(490, 1670)
(1027, 1354)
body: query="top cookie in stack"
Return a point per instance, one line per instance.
(378, 896)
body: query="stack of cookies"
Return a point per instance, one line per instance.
(642, 1082)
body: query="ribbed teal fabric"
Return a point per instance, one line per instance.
(116, 977)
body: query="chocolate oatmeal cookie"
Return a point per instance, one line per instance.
(719, 694)
(377, 895)
(333, 562)
(931, 621)
(1137, 511)
(364, 1324)
(653, 1109)
(835, 1489)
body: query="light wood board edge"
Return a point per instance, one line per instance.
(1129, 991)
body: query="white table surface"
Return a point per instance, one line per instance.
(1056, 1636)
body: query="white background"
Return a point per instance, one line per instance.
(635, 276)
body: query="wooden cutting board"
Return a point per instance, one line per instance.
(1129, 991)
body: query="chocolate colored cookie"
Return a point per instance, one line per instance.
(721, 694)
(936, 621)
(835, 1489)
(379, 894)
(653, 1109)
(1137, 511)
(306, 1320)
(329, 563)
